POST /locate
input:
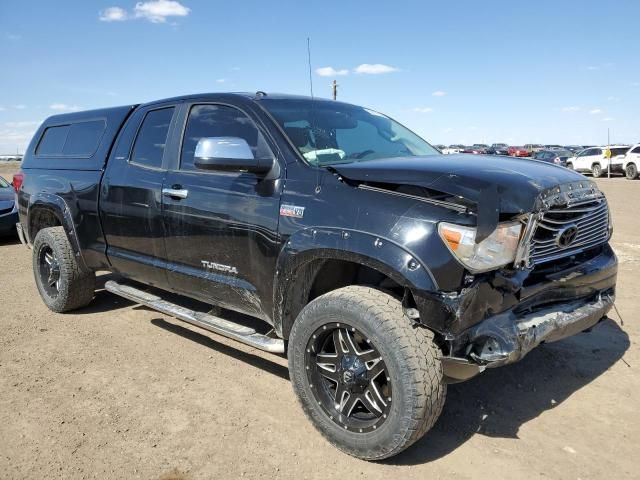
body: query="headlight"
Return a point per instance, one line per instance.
(495, 251)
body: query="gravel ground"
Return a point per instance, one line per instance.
(118, 391)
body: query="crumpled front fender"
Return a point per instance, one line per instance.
(376, 252)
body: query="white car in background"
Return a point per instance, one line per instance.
(594, 160)
(631, 162)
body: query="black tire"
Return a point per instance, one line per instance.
(407, 351)
(631, 171)
(596, 170)
(570, 166)
(62, 284)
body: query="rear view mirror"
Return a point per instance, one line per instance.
(230, 154)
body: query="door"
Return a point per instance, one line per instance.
(130, 198)
(583, 160)
(221, 230)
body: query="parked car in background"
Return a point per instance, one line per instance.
(631, 161)
(596, 161)
(498, 149)
(573, 148)
(556, 156)
(518, 152)
(533, 147)
(448, 151)
(8, 208)
(473, 150)
(457, 148)
(481, 146)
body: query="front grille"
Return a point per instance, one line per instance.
(564, 231)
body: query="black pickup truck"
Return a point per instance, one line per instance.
(383, 269)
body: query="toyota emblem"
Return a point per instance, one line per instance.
(567, 236)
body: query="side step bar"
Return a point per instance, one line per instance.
(217, 325)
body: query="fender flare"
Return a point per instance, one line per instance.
(326, 243)
(57, 206)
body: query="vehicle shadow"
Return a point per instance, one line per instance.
(499, 401)
(206, 341)
(11, 239)
(103, 301)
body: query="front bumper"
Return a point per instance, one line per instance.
(506, 338)
(557, 306)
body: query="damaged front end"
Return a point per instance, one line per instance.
(562, 282)
(557, 280)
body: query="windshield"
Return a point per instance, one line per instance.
(4, 183)
(328, 133)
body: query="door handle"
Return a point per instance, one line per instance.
(175, 193)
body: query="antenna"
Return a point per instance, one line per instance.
(318, 187)
(310, 73)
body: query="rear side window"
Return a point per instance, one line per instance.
(152, 138)
(619, 151)
(83, 138)
(75, 140)
(636, 150)
(53, 140)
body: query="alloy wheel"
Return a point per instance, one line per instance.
(348, 377)
(49, 270)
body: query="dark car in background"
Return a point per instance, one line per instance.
(472, 150)
(573, 148)
(498, 149)
(8, 210)
(558, 157)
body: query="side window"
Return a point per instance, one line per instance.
(52, 141)
(83, 138)
(148, 148)
(636, 150)
(219, 121)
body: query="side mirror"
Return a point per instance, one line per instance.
(229, 154)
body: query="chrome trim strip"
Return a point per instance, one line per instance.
(440, 203)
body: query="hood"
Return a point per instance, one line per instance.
(497, 185)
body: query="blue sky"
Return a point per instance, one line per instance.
(455, 72)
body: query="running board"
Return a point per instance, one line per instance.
(240, 333)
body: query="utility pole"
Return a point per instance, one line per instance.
(609, 153)
(334, 87)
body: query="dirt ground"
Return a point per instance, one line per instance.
(119, 391)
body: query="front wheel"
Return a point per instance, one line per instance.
(596, 170)
(369, 380)
(631, 171)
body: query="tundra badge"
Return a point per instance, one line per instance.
(219, 267)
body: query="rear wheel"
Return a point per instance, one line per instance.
(596, 170)
(62, 284)
(368, 379)
(631, 171)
